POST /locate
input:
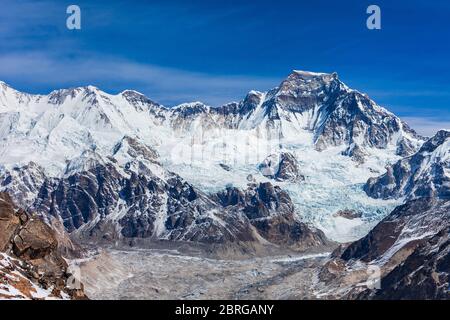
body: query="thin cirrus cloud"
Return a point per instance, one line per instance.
(427, 126)
(166, 85)
(132, 46)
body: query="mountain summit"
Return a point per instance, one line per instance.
(316, 104)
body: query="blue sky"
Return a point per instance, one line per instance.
(216, 51)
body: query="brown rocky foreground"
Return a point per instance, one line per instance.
(31, 264)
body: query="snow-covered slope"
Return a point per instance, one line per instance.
(424, 174)
(54, 128)
(16, 282)
(339, 137)
(406, 256)
(410, 247)
(128, 194)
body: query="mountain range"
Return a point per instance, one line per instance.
(240, 177)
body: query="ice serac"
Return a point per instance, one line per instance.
(424, 174)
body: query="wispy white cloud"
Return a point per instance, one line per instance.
(410, 93)
(167, 85)
(427, 126)
(35, 52)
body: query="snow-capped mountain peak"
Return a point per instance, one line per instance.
(317, 107)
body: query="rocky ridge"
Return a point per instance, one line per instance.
(410, 247)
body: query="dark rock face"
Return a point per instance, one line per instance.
(283, 167)
(405, 147)
(411, 246)
(35, 243)
(80, 197)
(271, 211)
(230, 197)
(143, 201)
(135, 149)
(357, 153)
(288, 168)
(139, 100)
(408, 223)
(335, 114)
(233, 112)
(357, 118)
(421, 175)
(129, 195)
(424, 275)
(225, 167)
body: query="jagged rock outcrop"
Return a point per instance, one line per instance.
(271, 211)
(31, 265)
(357, 153)
(409, 224)
(411, 245)
(424, 174)
(281, 167)
(425, 274)
(407, 254)
(129, 195)
(348, 214)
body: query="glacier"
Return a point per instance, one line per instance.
(339, 136)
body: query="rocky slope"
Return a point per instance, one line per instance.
(31, 265)
(410, 247)
(424, 174)
(128, 194)
(409, 224)
(425, 274)
(404, 257)
(271, 211)
(90, 159)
